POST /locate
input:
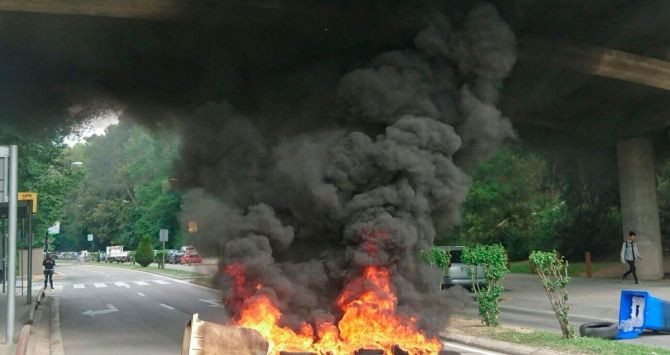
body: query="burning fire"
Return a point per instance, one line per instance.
(368, 321)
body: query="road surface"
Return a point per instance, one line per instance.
(106, 310)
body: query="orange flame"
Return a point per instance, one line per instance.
(368, 321)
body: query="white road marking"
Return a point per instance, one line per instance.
(141, 283)
(212, 303)
(166, 306)
(141, 294)
(58, 287)
(78, 286)
(161, 282)
(122, 284)
(110, 309)
(449, 345)
(99, 285)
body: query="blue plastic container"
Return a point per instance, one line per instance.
(639, 310)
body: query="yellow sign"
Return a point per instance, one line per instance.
(192, 226)
(29, 196)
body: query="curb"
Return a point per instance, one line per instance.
(496, 345)
(23, 340)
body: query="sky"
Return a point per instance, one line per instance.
(94, 126)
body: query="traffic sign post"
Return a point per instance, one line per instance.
(90, 239)
(163, 237)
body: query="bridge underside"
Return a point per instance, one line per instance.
(588, 78)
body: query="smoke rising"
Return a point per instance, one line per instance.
(354, 179)
(311, 159)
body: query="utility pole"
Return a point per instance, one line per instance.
(11, 257)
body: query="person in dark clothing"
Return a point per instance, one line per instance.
(49, 263)
(629, 254)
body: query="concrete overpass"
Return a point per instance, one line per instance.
(613, 93)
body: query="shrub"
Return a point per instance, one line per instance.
(437, 257)
(159, 258)
(144, 254)
(553, 270)
(494, 260)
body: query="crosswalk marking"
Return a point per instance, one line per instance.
(126, 284)
(166, 306)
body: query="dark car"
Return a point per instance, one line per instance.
(175, 258)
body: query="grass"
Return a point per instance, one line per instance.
(585, 345)
(179, 274)
(574, 268)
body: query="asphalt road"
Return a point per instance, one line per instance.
(114, 311)
(107, 310)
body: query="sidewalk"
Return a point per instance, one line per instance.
(22, 311)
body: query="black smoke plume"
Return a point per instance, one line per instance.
(301, 206)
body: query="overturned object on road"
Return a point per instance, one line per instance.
(638, 311)
(202, 337)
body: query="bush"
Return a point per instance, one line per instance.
(437, 257)
(159, 258)
(494, 259)
(553, 271)
(144, 254)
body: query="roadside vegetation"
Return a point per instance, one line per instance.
(494, 260)
(580, 345)
(553, 272)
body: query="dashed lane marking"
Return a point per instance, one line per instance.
(141, 294)
(122, 284)
(166, 306)
(141, 283)
(161, 282)
(78, 286)
(99, 285)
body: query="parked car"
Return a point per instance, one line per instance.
(460, 273)
(191, 257)
(175, 258)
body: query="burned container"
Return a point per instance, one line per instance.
(639, 310)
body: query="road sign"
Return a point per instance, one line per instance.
(192, 226)
(29, 196)
(163, 235)
(90, 237)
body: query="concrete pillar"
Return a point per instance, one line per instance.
(639, 206)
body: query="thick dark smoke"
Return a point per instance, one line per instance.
(320, 151)
(354, 179)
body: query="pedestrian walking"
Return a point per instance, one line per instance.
(49, 263)
(629, 254)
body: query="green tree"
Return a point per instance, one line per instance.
(126, 192)
(512, 201)
(144, 255)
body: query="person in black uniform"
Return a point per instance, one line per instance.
(49, 264)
